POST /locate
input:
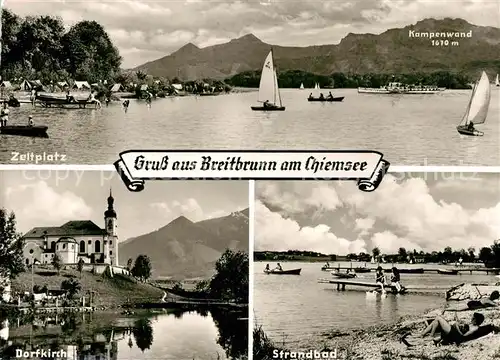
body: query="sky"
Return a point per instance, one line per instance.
(145, 30)
(51, 198)
(416, 211)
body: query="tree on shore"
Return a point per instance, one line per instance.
(231, 278)
(57, 263)
(376, 253)
(80, 266)
(71, 287)
(38, 47)
(142, 267)
(11, 246)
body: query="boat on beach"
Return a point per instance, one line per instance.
(471, 291)
(477, 109)
(269, 92)
(400, 88)
(447, 271)
(24, 130)
(283, 272)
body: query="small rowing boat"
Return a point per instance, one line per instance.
(343, 275)
(327, 99)
(283, 272)
(447, 271)
(24, 130)
(361, 270)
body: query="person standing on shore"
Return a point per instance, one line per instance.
(33, 97)
(4, 115)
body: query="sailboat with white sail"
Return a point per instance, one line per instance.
(477, 109)
(301, 86)
(269, 92)
(497, 82)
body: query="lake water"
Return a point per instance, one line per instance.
(409, 130)
(168, 335)
(296, 310)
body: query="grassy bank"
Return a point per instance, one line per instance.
(108, 292)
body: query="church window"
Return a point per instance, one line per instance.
(64, 246)
(53, 246)
(97, 246)
(110, 253)
(82, 246)
(31, 251)
(110, 242)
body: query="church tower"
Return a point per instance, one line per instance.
(111, 244)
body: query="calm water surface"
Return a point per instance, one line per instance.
(179, 335)
(409, 130)
(296, 310)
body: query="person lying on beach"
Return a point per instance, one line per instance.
(479, 304)
(451, 333)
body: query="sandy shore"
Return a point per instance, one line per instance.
(383, 342)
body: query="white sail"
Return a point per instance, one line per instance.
(268, 88)
(497, 82)
(480, 102)
(316, 90)
(301, 86)
(277, 96)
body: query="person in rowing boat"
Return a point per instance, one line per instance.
(330, 96)
(395, 279)
(451, 333)
(380, 278)
(321, 96)
(69, 98)
(471, 126)
(267, 268)
(267, 104)
(4, 115)
(30, 121)
(278, 267)
(479, 304)
(311, 96)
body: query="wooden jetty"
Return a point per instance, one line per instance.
(342, 283)
(425, 270)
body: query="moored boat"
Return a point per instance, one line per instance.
(411, 271)
(447, 271)
(283, 272)
(343, 275)
(24, 130)
(477, 109)
(399, 88)
(269, 92)
(328, 268)
(362, 270)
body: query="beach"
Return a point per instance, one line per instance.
(383, 342)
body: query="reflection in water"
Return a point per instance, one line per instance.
(99, 335)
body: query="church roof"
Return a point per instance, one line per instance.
(66, 239)
(71, 228)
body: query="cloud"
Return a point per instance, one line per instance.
(273, 232)
(188, 208)
(39, 203)
(398, 214)
(146, 30)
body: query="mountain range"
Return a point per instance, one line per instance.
(186, 249)
(391, 51)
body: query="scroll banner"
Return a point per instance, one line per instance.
(366, 167)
